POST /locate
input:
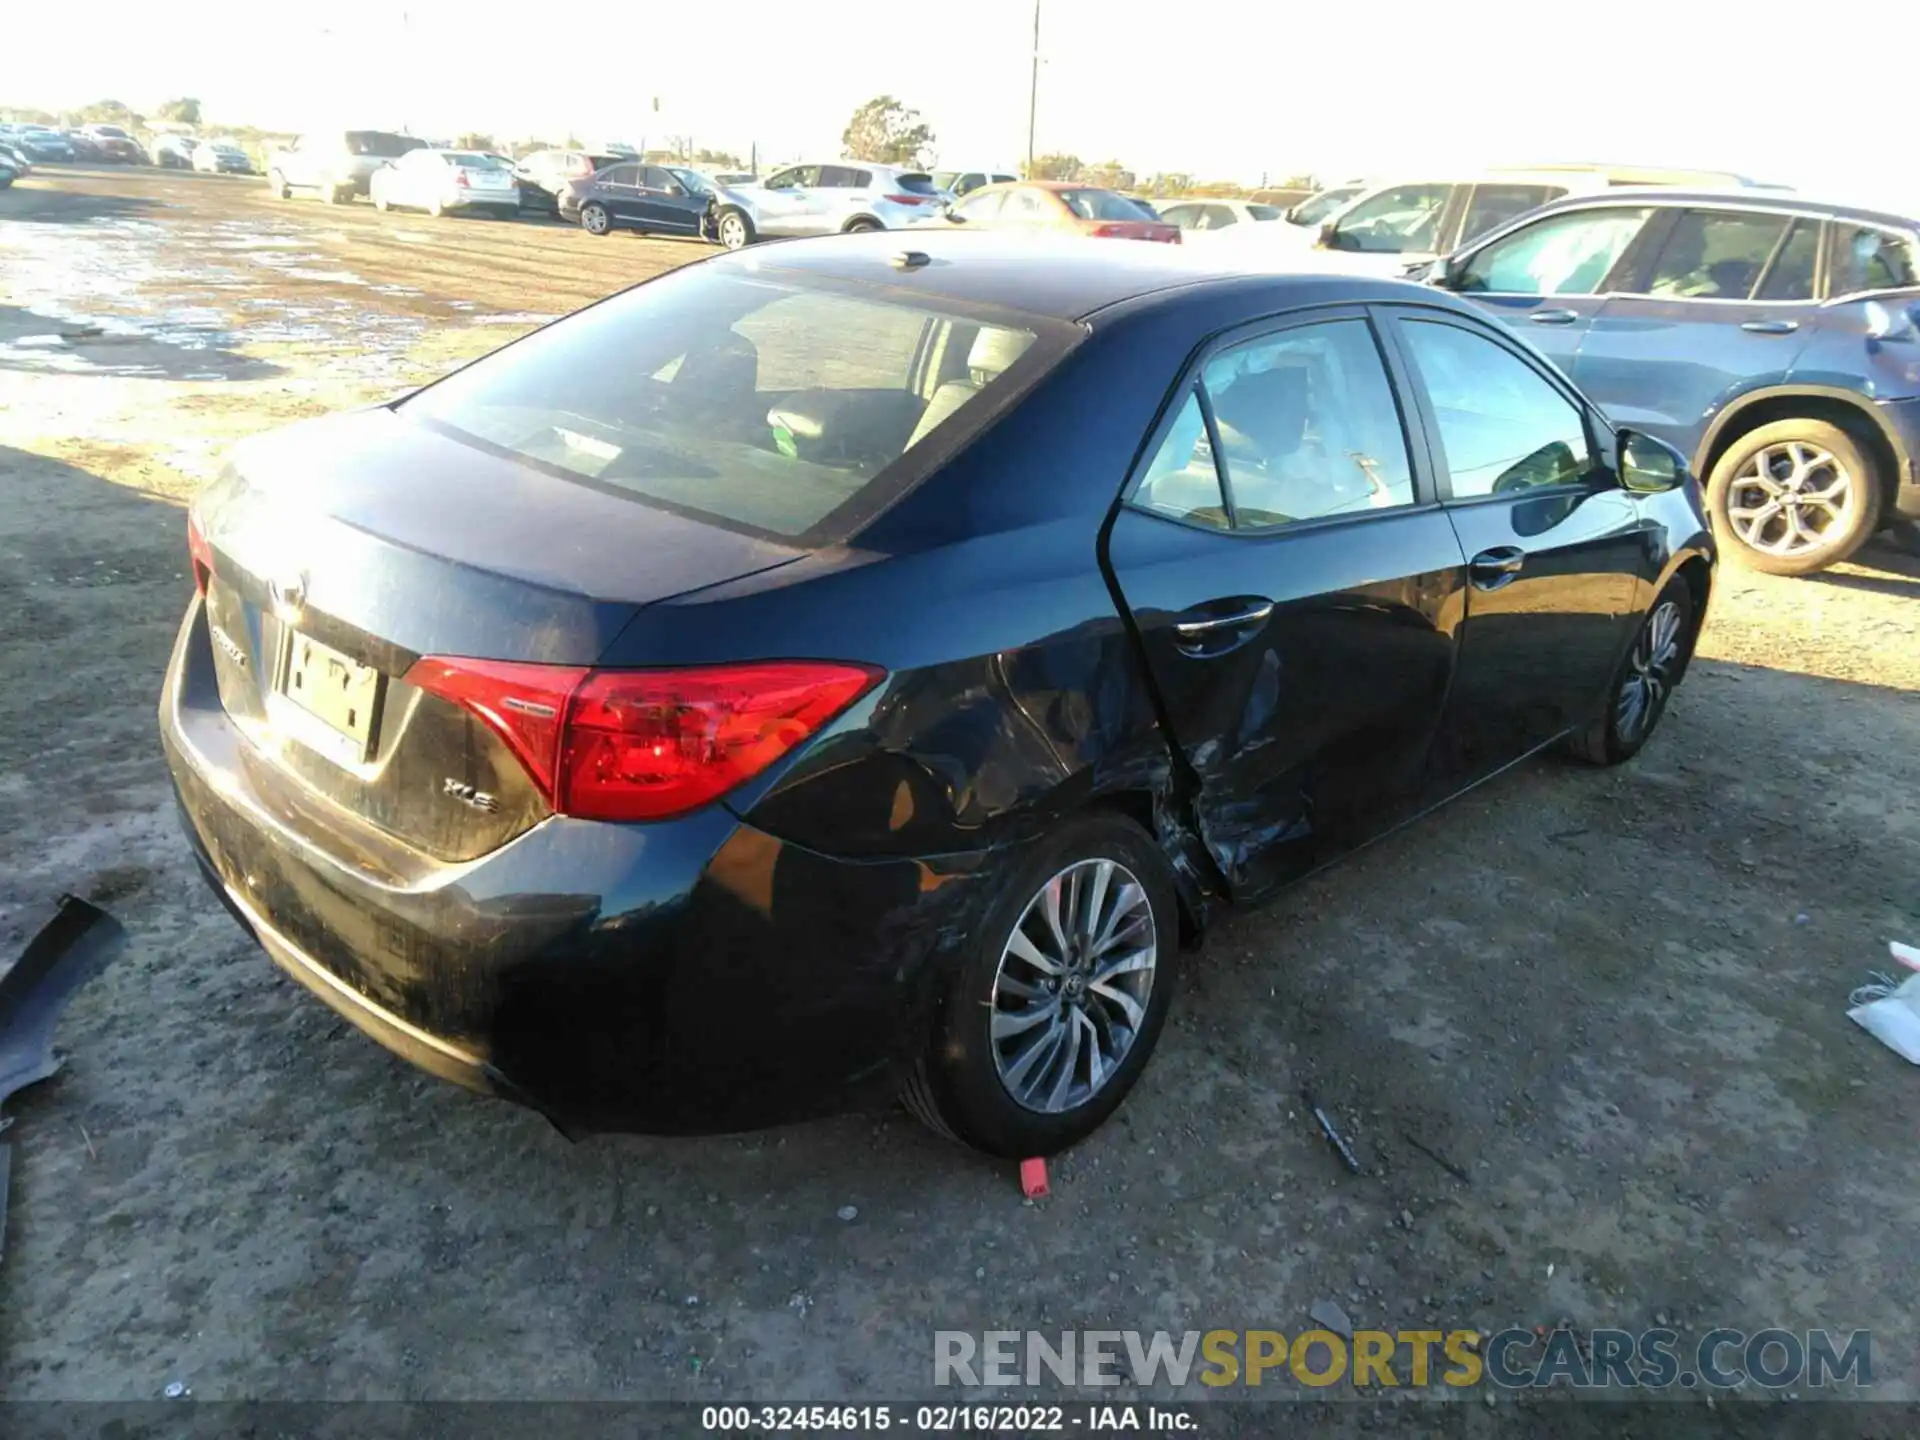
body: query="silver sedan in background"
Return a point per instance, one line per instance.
(441, 180)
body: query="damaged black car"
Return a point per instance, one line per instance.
(850, 669)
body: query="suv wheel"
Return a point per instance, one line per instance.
(1059, 996)
(861, 223)
(1796, 496)
(594, 218)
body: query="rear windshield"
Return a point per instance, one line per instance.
(471, 160)
(915, 184)
(110, 132)
(1103, 205)
(1264, 212)
(765, 402)
(380, 144)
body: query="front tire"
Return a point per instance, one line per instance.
(735, 229)
(1645, 681)
(1795, 496)
(1059, 997)
(594, 218)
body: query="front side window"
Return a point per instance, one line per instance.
(755, 402)
(1790, 276)
(1306, 428)
(1568, 254)
(1714, 255)
(1405, 218)
(1866, 258)
(1025, 207)
(1503, 427)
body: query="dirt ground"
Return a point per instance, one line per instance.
(1614, 999)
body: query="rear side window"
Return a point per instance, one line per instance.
(1790, 276)
(1101, 205)
(775, 407)
(1265, 212)
(1502, 426)
(981, 207)
(842, 177)
(1865, 258)
(1304, 427)
(1568, 254)
(1715, 255)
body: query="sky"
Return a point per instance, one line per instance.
(1223, 89)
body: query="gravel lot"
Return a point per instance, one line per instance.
(1616, 1000)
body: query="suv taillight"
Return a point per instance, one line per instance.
(645, 744)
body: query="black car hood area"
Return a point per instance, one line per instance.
(437, 546)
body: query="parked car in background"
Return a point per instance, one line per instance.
(115, 145)
(8, 171)
(1400, 225)
(85, 150)
(964, 182)
(651, 199)
(1059, 206)
(173, 152)
(623, 734)
(42, 145)
(1207, 219)
(723, 178)
(337, 164)
(545, 174)
(1318, 207)
(1774, 340)
(823, 199)
(15, 159)
(221, 157)
(437, 181)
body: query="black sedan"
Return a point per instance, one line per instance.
(859, 668)
(652, 199)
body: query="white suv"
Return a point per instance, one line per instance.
(822, 199)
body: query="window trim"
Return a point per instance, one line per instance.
(1601, 455)
(1412, 421)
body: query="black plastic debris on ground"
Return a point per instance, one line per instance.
(70, 949)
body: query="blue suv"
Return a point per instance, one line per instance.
(1773, 340)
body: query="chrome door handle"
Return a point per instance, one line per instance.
(1491, 569)
(1252, 615)
(1770, 327)
(1554, 317)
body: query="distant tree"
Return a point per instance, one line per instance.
(1168, 182)
(1108, 175)
(182, 112)
(473, 141)
(1299, 182)
(888, 133)
(1056, 167)
(1218, 190)
(719, 159)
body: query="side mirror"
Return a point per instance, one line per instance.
(1443, 272)
(1649, 466)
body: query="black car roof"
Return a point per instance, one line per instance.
(1781, 202)
(1065, 279)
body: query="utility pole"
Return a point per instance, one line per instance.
(1033, 88)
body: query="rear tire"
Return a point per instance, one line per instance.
(860, 225)
(379, 202)
(1795, 496)
(1043, 1031)
(594, 218)
(277, 183)
(1652, 667)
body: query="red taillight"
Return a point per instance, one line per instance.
(645, 744)
(909, 199)
(460, 179)
(200, 553)
(1107, 232)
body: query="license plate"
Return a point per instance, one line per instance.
(335, 689)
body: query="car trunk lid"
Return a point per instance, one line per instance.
(343, 550)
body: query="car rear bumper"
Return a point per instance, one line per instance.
(1902, 419)
(690, 976)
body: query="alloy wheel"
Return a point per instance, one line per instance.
(594, 220)
(1790, 498)
(1649, 678)
(1071, 992)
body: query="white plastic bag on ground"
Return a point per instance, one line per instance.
(1891, 1012)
